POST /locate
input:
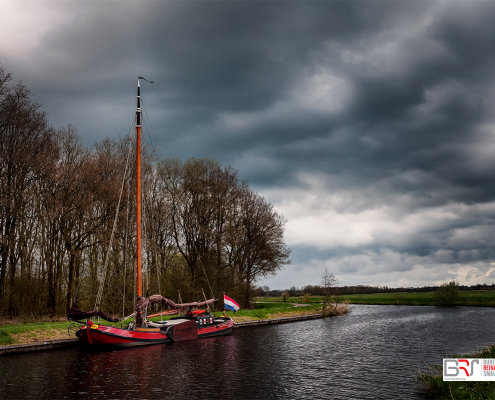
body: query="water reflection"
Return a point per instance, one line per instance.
(371, 353)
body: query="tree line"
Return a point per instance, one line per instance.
(317, 290)
(204, 229)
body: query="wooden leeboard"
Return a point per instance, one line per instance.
(184, 331)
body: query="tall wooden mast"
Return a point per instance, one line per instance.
(139, 282)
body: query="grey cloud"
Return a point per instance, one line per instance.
(405, 123)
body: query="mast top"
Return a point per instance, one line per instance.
(138, 108)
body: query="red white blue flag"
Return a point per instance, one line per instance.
(230, 304)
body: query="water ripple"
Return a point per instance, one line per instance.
(372, 353)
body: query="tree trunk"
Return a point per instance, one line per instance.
(52, 290)
(70, 285)
(13, 269)
(3, 269)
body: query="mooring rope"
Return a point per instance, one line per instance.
(129, 316)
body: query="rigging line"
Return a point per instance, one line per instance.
(152, 146)
(158, 274)
(206, 276)
(146, 244)
(145, 198)
(125, 244)
(155, 257)
(105, 267)
(156, 141)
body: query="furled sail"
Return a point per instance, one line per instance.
(76, 314)
(143, 302)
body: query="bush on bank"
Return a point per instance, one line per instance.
(447, 294)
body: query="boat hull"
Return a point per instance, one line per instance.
(92, 334)
(102, 335)
(224, 328)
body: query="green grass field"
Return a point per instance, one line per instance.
(485, 298)
(273, 310)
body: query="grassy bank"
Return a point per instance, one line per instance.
(485, 298)
(33, 332)
(21, 333)
(435, 388)
(270, 310)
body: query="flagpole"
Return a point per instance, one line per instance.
(224, 309)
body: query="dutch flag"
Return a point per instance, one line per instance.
(230, 304)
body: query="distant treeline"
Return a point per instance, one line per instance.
(359, 289)
(203, 227)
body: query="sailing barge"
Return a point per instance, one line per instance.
(192, 325)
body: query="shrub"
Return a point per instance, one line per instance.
(447, 294)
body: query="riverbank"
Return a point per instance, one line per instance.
(434, 387)
(73, 342)
(477, 298)
(43, 334)
(288, 360)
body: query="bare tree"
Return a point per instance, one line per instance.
(197, 194)
(328, 284)
(24, 137)
(58, 200)
(221, 225)
(259, 250)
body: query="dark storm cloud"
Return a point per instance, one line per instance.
(386, 106)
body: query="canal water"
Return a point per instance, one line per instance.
(372, 353)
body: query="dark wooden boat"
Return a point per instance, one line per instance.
(193, 325)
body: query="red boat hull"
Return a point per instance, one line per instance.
(93, 334)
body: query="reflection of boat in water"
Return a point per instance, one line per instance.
(192, 325)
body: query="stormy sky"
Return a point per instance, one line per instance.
(370, 125)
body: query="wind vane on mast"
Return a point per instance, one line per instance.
(140, 77)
